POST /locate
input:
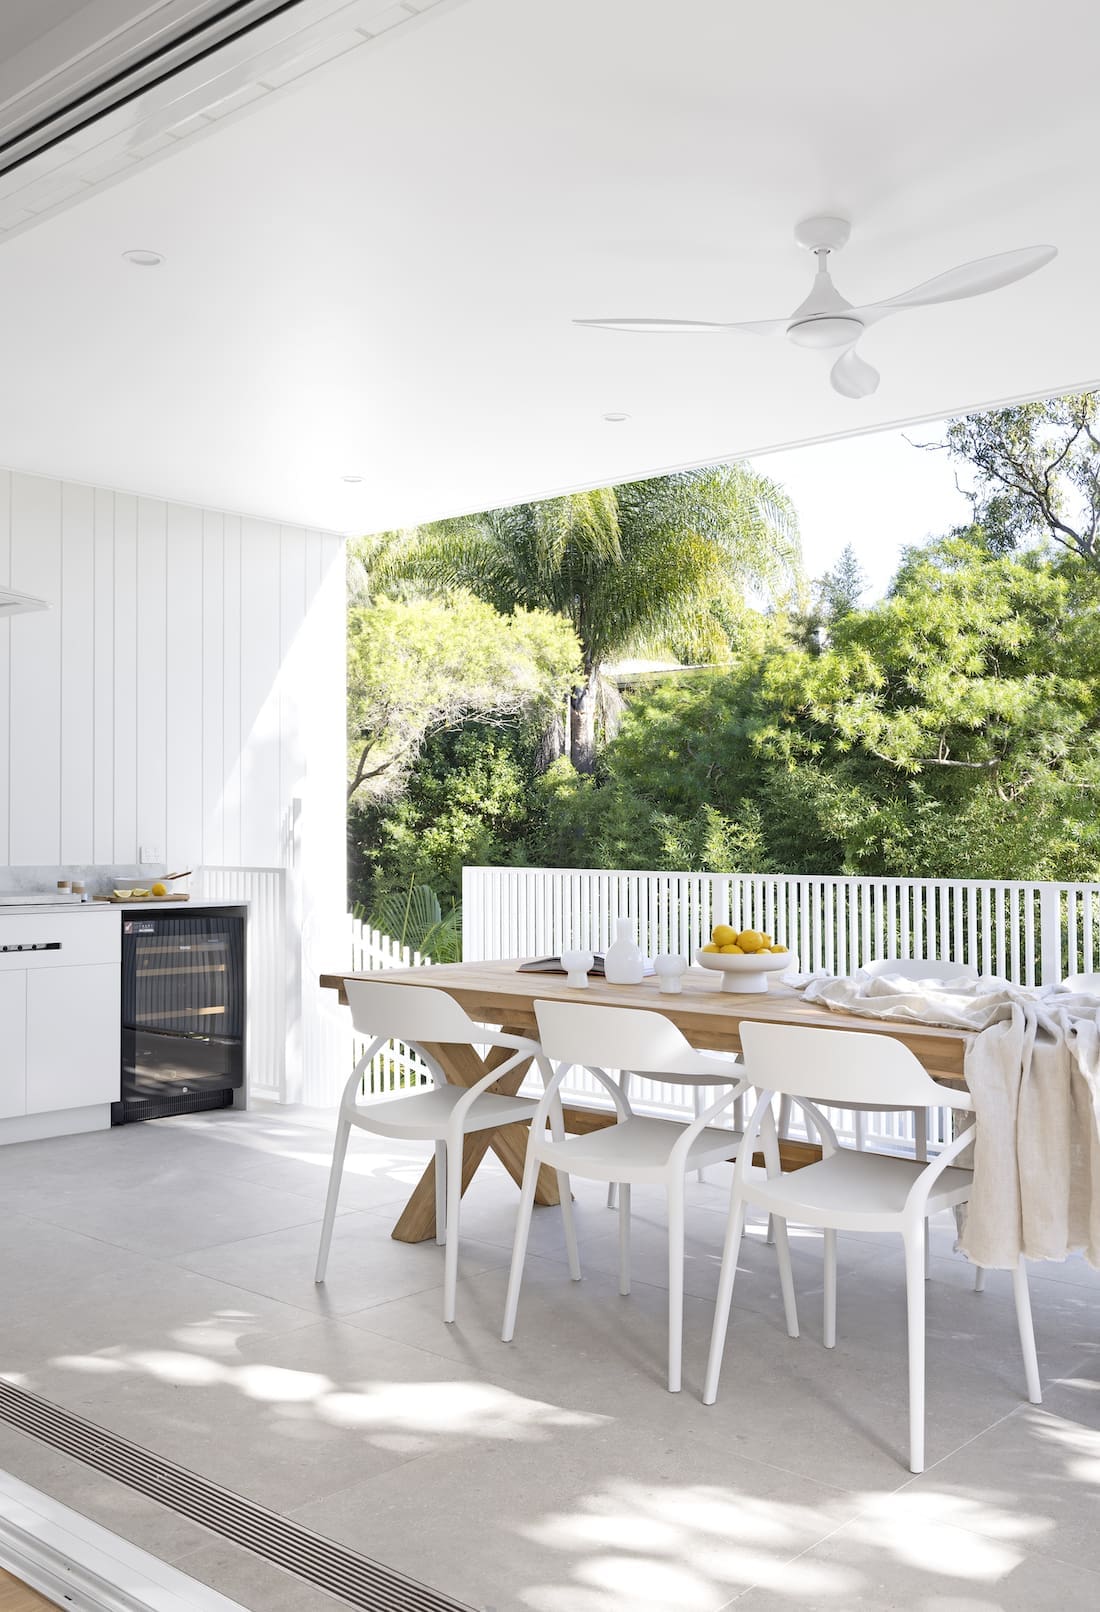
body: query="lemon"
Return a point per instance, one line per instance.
(710, 947)
(160, 889)
(750, 940)
(732, 951)
(768, 943)
(777, 949)
(138, 894)
(723, 935)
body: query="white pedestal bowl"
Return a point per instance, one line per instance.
(746, 974)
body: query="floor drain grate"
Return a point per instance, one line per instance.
(332, 1567)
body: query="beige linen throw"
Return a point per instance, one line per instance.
(1033, 1069)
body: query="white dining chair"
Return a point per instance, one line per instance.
(636, 1148)
(852, 1191)
(1084, 984)
(698, 1103)
(910, 968)
(919, 968)
(422, 1016)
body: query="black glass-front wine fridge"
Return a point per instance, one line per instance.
(183, 1012)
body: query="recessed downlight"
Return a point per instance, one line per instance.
(142, 257)
(352, 479)
(616, 419)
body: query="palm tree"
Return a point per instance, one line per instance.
(640, 568)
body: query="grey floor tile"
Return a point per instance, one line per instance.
(43, 1265)
(365, 1266)
(65, 1350)
(874, 1563)
(609, 1516)
(185, 1208)
(1032, 1480)
(293, 1417)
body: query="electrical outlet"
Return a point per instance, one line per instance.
(150, 853)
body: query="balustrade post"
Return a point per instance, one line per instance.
(1050, 934)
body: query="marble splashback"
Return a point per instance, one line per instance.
(99, 879)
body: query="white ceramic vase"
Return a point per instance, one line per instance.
(623, 963)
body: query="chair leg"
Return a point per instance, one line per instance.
(783, 1129)
(914, 1298)
(829, 1324)
(860, 1125)
(339, 1152)
(441, 1193)
(565, 1193)
(519, 1245)
(730, 1253)
(979, 1278)
(454, 1209)
(613, 1186)
(624, 1238)
(675, 1284)
(698, 1105)
(1027, 1331)
(786, 1276)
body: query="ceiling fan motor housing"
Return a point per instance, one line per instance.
(827, 330)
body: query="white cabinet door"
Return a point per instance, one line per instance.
(72, 1037)
(13, 1043)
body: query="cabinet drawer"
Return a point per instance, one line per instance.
(74, 938)
(73, 1037)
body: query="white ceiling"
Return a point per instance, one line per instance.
(374, 273)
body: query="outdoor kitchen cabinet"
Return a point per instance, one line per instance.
(60, 982)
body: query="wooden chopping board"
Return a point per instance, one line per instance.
(140, 901)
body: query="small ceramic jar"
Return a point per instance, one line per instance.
(670, 971)
(576, 965)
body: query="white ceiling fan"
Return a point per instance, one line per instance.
(828, 320)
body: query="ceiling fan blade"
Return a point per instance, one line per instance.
(852, 376)
(968, 280)
(671, 326)
(676, 327)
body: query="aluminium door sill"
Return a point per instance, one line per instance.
(79, 1565)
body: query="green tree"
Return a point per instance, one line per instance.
(645, 567)
(951, 731)
(421, 666)
(467, 799)
(1038, 467)
(841, 588)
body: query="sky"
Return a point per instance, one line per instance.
(878, 492)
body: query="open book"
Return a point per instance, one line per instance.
(553, 965)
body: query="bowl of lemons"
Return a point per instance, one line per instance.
(743, 958)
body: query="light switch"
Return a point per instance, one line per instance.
(150, 853)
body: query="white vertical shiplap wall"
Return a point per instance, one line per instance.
(184, 693)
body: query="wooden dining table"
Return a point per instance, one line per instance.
(498, 994)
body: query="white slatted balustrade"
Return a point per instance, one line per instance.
(1029, 932)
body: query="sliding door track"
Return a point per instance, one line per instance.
(322, 1562)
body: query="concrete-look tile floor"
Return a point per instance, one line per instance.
(158, 1280)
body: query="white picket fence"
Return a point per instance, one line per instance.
(397, 1065)
(1031, 933)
